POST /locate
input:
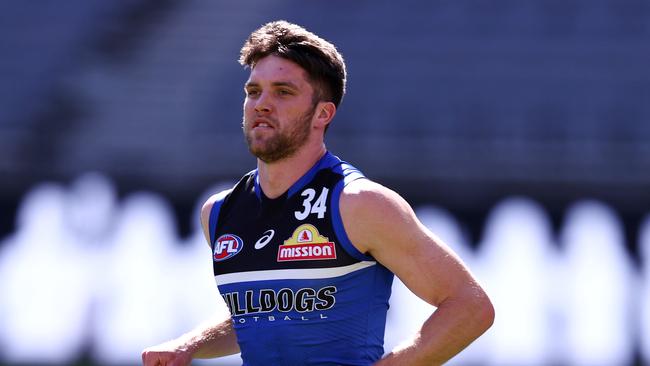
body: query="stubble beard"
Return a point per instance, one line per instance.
(281, 145)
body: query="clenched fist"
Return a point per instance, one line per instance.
(166, 354)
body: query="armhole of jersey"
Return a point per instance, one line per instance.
(214, 213)
(337, 220)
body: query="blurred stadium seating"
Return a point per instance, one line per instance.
(458, 105)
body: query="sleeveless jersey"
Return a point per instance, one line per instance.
(298, 291)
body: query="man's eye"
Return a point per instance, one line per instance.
(252, 93)
(284, 92)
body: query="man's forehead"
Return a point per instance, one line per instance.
(275, 69)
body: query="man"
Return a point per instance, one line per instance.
(305, 247)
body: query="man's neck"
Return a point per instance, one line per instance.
(277, 177)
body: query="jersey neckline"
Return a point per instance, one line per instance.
(328, 160)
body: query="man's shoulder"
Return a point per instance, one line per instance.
(365, 192)
(206, 209)
(221, 196)
(371, 211)
(217, 197)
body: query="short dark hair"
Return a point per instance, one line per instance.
(319, 58)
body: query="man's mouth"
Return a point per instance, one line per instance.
(262, 124)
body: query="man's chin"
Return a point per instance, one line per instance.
(269, 157)
(264, 155)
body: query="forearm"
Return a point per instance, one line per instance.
(451, 328)
(214, 338)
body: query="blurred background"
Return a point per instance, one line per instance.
(518, 130)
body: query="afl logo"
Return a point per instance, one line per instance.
(227, 246)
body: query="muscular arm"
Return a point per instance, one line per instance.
(214, 338)
(379, 222)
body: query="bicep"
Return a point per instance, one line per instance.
(382, 224)
(424, 263)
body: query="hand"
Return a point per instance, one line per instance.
(166, 354)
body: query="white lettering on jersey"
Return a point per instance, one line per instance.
(319, 207)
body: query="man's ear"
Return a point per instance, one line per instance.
(325, 111)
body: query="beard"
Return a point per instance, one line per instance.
(284, 143)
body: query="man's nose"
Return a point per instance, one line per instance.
(263, 103)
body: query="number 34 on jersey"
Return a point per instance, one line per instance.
(311, 206)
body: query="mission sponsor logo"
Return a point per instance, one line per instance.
(226, 247)
(306, 243)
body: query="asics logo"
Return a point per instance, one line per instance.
(265, 239)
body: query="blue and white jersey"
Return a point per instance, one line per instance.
(298, 291)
